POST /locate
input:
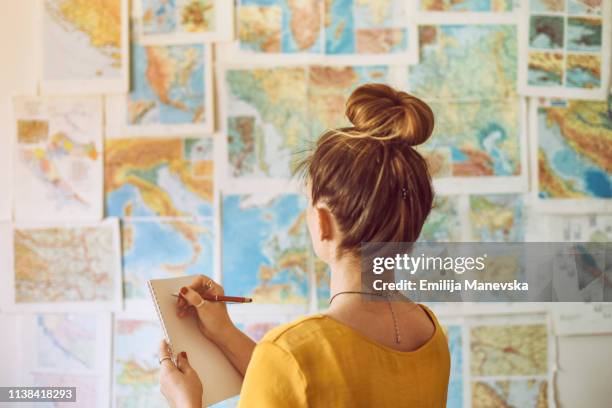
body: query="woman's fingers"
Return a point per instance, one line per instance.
(203, 284)
(165, 357)
(183, 363)
(192, 297)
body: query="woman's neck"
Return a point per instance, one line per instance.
(345, 275)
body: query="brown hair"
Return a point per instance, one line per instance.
(374, 182)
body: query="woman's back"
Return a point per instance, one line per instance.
(320, 362)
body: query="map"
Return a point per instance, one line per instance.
(455, 385)
(330, 86)
(66, 342)
(571, 162)
(280, 26)
(96, 33)
(525, 393)
(256, 325)
(467, 5)
(497, 218)
(68, 350)
(273, 114)
(67, 264)
(443, 223)
(272, 265)
(564, 49)
(322, 275)
(177, 16)
(585, 6)
(509, 350)
(170, 87)
(477, 122)
(58, 158)
(365, 26)
(156, 249)
(89, 393)
(135, 365)
(582, 228)
(330, 28)
(266, 119)
(229, 403)
(165, 177)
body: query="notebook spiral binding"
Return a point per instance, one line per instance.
(160, 317)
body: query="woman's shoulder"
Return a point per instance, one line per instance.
(298, 333)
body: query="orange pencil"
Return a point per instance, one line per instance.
(220, 298)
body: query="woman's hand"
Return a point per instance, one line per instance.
(213, 320)
(179, 383)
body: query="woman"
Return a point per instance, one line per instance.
(365, 183)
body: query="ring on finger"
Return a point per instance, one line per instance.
(161, 360)
(201, 303)
(209, 284)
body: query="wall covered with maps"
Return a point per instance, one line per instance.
(159, 139)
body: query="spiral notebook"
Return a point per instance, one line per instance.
(220, 378)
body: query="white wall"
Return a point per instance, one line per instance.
(585, 375)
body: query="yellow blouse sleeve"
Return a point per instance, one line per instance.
(273, 379)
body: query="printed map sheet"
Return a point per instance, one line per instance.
(57, 158)
(565, 48)
(184, 21)
(57, 267)
(84, 46)
(69, 350)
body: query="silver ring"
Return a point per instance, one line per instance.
(161, 360)
(202, 301)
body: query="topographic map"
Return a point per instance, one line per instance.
(135, 365)
(497, 218)
(273, 265)
(157, 249)
(67, 264)
(467, 5)
(329, 27)
(510, 362)
(280, 26)
(443, 223)
(83, 41)
(267, 120)
(565, 52)
(58, 158)
(573, 151)
(168, 85)
(531, 393)
(369, 26)
(273, 114)
(476, 121)
(159, 177)
(510, 350)
(177, 16)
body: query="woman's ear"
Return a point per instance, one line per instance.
(325, 224)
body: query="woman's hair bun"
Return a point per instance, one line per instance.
(381, 112)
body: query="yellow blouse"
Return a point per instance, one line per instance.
(320, 362)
